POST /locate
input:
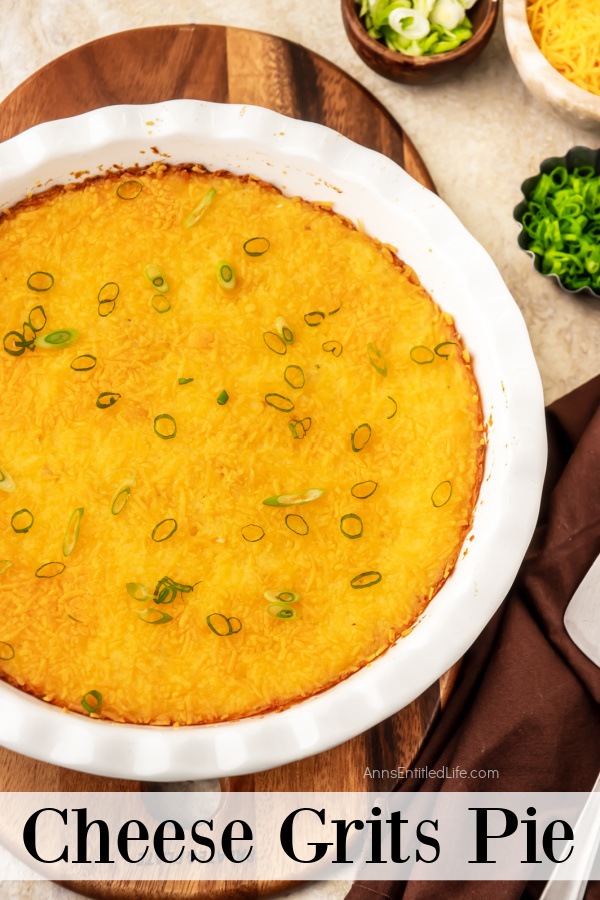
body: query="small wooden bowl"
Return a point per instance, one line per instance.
(420, 69)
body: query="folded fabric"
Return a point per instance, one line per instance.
(526, 701)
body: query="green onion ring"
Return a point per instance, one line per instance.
(106, 399)
(333, 347)
(25, 528)
(63, 338)
(11, 651)
(440, 497)
(106, 308)
(436, 350)
(414, 355)
(223, 398)
(359, 439)
(295, 424)
(226, 275)
(95, 706)
(253, 536)
(154, 616)
(15, 347)
(167, 418)
(161, 303)
(108, 292)
(354, 518)
(85, 368)
(313, 319)
(228, 620)
(334, 311)
(120, 500)
(72, 533)
(199, 210)
(299, 525)
(138, 591)
(129, 190)
(296, 382)
(281, 403)
(156, 278)
(373, 576)
(376, 359)
(281, 612)
(28, 336)
(356, 491)
(41, 574)
(256, 250)
(159, 540)
(185, 380)
(37, 313)
(281, 343)
(284, 596)
(284, 330)
(395, 408)
(294, 499)
(6, 482)
(40, 281)
(165, 591)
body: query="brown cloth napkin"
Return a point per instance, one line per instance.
(526, 702)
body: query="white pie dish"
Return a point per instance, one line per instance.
(316, 163)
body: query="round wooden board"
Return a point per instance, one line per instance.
(225, 65)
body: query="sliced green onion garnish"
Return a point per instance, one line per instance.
(354, 530)
(50, 570)
(106, 308)
(294, 376)
(106, 399)
(7, 651)
(40, 281)
(334, 311)
(253, 533)
(299, 427)
(294, 499)
(225, 624)
(278, 401)
(161, 304)
(284, 330)
(442, 493)
(313, 319)
(4, 565)
(6, 482)
(422, 355)
(164, 530)
(22, 521)
(333, 347)
(154, 616)
(283, 596)
(169, 431)
(226, 275)
(73, 619)
(363, 489)
(395, 408)
(129, 190)
(37, 318)
(63, 338)
(92, 701)
(274, 342)
(376, 359)
(138, 591)
(84, 363)
(256, 246)
(365, 580)
(28, 336)
(278, 611)
(72, 531)
(165, 591)
(222, 398)
(108, 292)
(198, 211)
(437, 349)
(297, 524)
(14, 343)
(360, 437)
(120, 500)
(185, 380)
(156, 278)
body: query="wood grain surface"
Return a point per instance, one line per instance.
(226, 65)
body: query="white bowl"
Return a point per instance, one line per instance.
(571, 102)
(316, 163)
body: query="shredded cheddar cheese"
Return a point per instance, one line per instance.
(184, 598)
(568, 34)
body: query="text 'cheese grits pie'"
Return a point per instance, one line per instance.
(241, 446)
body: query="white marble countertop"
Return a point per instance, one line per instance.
(480, 136)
